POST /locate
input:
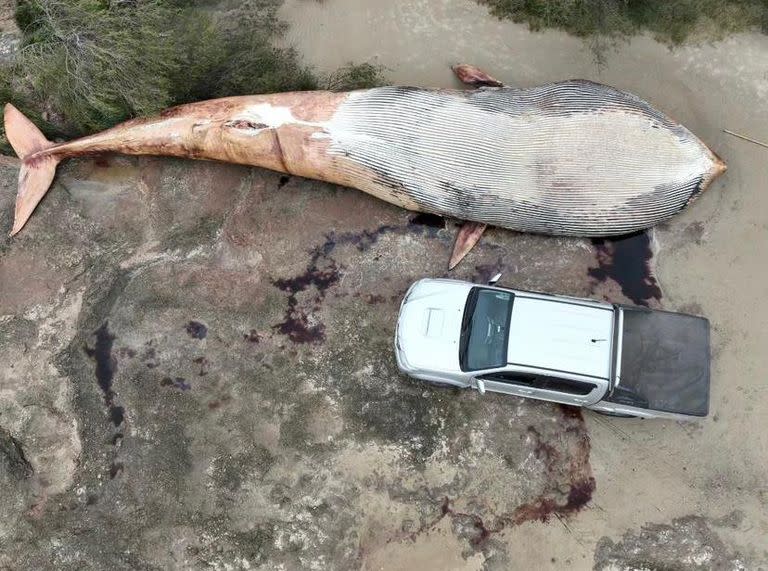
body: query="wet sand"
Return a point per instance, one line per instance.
(711, 259)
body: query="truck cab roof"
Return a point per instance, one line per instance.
(561, 335)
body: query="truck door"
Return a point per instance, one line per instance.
(544, 387)
(518, 384)
(570, 391)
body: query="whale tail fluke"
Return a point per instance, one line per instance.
(37, 168)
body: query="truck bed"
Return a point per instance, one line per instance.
(664, 362)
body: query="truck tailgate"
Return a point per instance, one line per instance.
(664, 362)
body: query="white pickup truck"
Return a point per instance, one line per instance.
(612, 358)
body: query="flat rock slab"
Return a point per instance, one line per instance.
(196, 371)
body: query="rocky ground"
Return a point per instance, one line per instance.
(197, 371)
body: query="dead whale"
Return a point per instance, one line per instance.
(572, 158)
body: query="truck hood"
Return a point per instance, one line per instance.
(429, 326)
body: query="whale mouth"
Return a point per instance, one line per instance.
(718, 167)
(718, 164)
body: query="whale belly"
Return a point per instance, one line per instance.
(574, 158)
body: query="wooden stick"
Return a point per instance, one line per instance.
(751, 140)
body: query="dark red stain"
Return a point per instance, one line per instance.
(482, 531)
(430, 224)
(579, 495)
(572, 412)
(115, 470)
(216, 404)
(581, 485)
(116, 415)
(322, 279)
(176, 383)
(204, 363)
(371, 298)
(150, 355)
(106, 365)
(485, 272)
(361, 240)
(425, 224)
(196, 330)
(252, 336)
(626, 260)
(298, 329)
(543, 450)
(296, 325)
(323, 272)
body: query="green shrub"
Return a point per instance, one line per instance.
(92, 64)
(671, 21)
(579, 17)
(355, 76)
(232, 52)
(85, 65)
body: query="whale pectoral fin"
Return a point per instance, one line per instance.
(474, 76)
(469, 234)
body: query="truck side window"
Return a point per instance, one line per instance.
(510, 378)
(563, 385)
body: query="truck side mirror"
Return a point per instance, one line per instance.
(494, 279)
(481, 386)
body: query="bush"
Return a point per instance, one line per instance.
(93, 64)
(355, 76)
(233, 53)
(85, 65)
(671, 21)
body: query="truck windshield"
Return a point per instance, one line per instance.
(485, 329)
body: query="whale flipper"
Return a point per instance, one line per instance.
(475, 76)
(469, 234)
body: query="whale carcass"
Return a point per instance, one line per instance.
(570, 158)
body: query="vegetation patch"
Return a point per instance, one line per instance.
(355, 76)
(85, 65)
(670, 21)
